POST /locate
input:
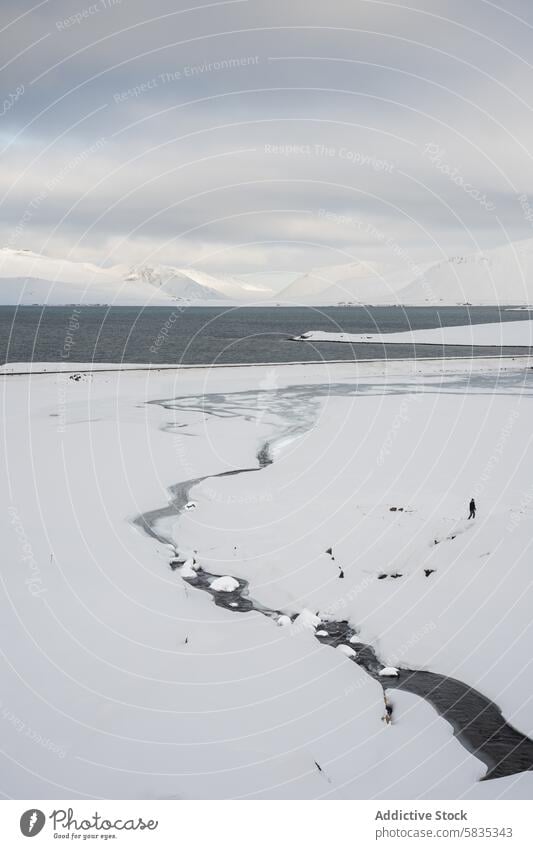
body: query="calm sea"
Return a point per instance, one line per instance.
(206, 335)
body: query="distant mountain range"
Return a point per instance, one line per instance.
(503, 275)
(31, 278)
(356, 282)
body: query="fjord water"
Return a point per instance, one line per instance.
(216, 335)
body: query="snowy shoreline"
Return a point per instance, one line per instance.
(17, 369)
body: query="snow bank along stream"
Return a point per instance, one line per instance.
(477, 722)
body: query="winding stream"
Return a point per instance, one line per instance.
(477, 722)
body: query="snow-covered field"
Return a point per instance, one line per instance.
(506, 334)
(121, 680)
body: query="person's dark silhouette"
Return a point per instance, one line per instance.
(472, 509)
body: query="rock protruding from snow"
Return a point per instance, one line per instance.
(389, 672)
(347, 650)
(283, 621)
(306, 619)
(189, 569)
(224, 584)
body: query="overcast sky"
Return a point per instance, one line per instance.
(265, 135)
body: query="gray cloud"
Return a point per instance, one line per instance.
(216, 135)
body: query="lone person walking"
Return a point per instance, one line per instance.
(472, 509)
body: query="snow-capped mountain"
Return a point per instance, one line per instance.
(385, 288)
(309, 287)
(28, 291)
(231, 286)
(69, 282)
(502, 275)
(173, 282)
(30, 278)
(24, 263)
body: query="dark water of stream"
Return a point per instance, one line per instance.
(477, 722)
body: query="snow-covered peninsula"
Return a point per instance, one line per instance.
(516, 334)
